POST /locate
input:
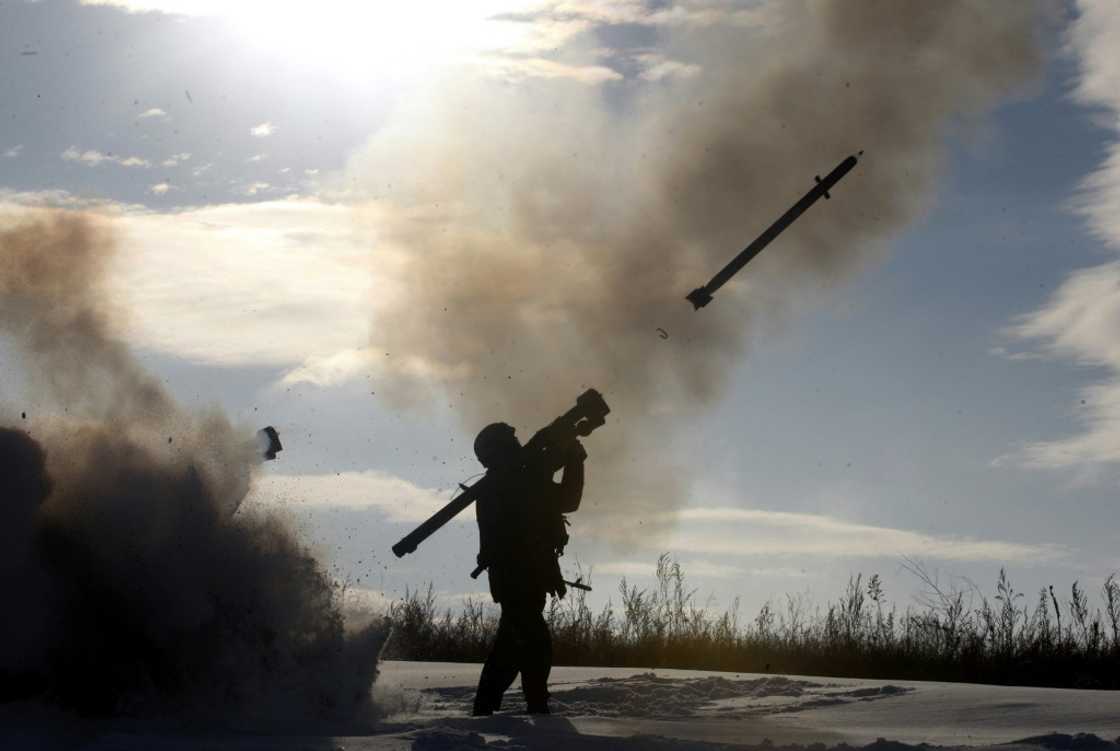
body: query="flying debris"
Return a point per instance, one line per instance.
(188, 93)
(269, 441)
(701, 296)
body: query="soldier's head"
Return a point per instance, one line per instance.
(496, 445)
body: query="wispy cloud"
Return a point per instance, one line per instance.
(1079, 321)
(268, 283)
(94, 158)
(175, 160)
(13, 152)
(348, 364)
(332, 369)
(1020, 356)
(257, 187)
(398, 499)
(263, 130)
(22, 201)
(153, 113)
(516, 68)
(159, 189)
(758, 532)
(697, 567)
(257, 158)
(657, 67)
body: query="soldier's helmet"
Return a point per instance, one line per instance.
(495, 443)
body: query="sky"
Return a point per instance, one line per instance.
(295, 188)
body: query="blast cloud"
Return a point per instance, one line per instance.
(543, 233)
(132, 585)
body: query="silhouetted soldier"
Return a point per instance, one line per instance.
(521, 531)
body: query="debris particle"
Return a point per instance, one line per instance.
(662, 333)
(269, 441)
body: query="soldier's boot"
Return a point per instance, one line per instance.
(536, 699)
(538, 707)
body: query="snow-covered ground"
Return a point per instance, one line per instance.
(624, 708)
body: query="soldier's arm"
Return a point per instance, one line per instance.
(570, 490)
(486, 533)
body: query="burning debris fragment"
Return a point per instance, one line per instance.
(269, 441)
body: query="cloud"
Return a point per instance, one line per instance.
(159, 189)
(257, 158)
(13, 152)
(1006, 354)
(154, 112)
(264, 130)
(175, 160)
(550, 25)
(16, 202)
(696, 567)
(757, 532)
(352, 363)
(398, 499)
(93, 158)
(658, 68)
(257, 187)
(271, 283)
(517, 68)
(332, 369)
(1081, 318)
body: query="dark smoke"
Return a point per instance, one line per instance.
(131, 584)
(540, 238)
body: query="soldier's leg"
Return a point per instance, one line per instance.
(500, 669)
(536, 655)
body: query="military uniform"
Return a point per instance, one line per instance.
(521, 533)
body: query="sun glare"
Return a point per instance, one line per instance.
(356, 38)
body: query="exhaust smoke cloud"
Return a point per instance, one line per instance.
(131, 584)
(545, 234)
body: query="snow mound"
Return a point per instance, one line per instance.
(557, 734)
(1066, 742)
(649, 696)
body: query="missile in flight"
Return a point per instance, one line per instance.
(701, 296)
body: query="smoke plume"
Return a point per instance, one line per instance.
(131, 584)
(543, 232)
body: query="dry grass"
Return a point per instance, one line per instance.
(952, 634)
